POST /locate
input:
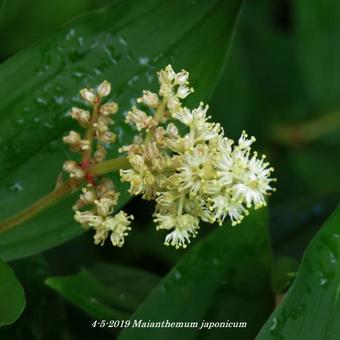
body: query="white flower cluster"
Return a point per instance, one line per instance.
(198, 175)
(100, 196)
(103, 199)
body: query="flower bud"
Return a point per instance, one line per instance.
(104, 89)
(109, 108)
(172, 130)
(73, 169)
(73, 139)
(100, 153)
(107, 137)
(82, 116)
(88, 95)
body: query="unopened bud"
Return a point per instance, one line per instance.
(104, 89)
(82, 116)
(109, 108)
(73, 138)
(100, 153)
(88, 94)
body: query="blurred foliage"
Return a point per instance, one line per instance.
(267, 84)
(281, 83)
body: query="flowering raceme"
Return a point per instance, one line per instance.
(196, 175)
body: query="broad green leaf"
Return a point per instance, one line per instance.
(311, 308)
(125, 44)
(23, 22)
(106, 291)
(12, 296)
(223, 277)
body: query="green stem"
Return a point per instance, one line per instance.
(109, 166)
(61, 191)
(40, 205)
(306, 132)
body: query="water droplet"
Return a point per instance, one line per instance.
(15, 187)
(177, 275)
(81, 41)
(133, 102)
(41, 101)
(157, 58)
(129, 57)
(70, 34)
(273, 326)
(122, 40)
(162, 289)
(77, 74)
(132, 80)
(48, 125)
(333, 257)
(325, 279)
(93, 300)
(144, 60)
(58, 100)
(111, 53)
(149, 76)
(215, 261)
(97, 71)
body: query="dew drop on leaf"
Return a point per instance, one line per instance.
(15, 187)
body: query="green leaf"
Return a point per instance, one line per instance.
(224, 277)
(37, 19)
(106, 291)
(311, 308)
(43, 308)
(318, 29)
(12, 296)
(125, 44)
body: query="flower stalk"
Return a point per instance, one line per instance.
(62, 190)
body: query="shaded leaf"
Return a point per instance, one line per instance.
(229, 267)
(106, 291)
(12, 296)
